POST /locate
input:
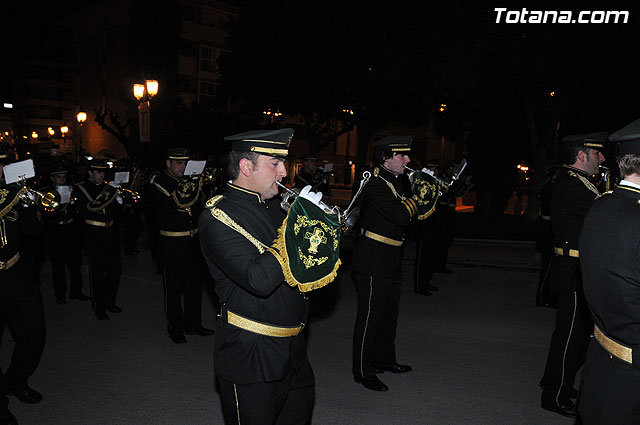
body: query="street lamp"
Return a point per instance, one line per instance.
(143, 94)
(34, 136)
(81, 117)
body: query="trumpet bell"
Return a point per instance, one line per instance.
(350, 220)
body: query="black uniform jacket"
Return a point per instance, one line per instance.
(14, 219)
(572, 196)
(96, 202)
(177, 203)
(610, 260)
(382, 213)
(252, 285)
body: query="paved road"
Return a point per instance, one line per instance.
(478, 348)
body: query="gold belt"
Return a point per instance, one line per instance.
(6, 265)
(566, 251)
(63, 222)
(99, 223)
(622, 352)
(262, 328)
(174, 234)
(546, 217)
(376, 237)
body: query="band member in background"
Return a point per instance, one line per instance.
(260, 353)
(21, 309)
(308, 175)
(62, 237)
(572, 196)
(611, 278)
(99, 206)
(377, 262)
(176, 201)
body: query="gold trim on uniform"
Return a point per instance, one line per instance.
(385, 240)
(593, 145)
(6, 265)
(262, 328)
(270, 151)
(98, 223)
(566, 251)
(614, 348)
(63, 222)
(191, 232)
(221, 216)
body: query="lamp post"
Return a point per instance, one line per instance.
(143, 94)
(81, 117)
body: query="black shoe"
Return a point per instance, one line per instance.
(432, 287)
(102, 316)
(7, 418)
(178, 338)
(26, 395)
(445, 271)
(572, 394)
(79, 297)
(61, 301)
(371, 383)
(423, 292)
(566, 408)
(394, 368)
(114, 309)
(201, 331)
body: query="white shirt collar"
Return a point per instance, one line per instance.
(628, 183)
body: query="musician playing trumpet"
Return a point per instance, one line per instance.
(386, 210)
(262, 273)
(20, 298)
(99, 205)
(62, 236)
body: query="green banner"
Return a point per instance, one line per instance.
(425, 190)
(308, 246)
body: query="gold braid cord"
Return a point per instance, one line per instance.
(283, 258)
(584, 181)
(3, 197)
(184, 192)
(91, 200)
(221, 216)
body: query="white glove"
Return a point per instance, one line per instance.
(314, 197)
(119, 200)
(428, 171)
(112, 183)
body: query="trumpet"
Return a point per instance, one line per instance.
(34, 197)
(346, 218)
(456, 174)
(127, 193)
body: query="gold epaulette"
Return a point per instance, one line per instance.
(222, 217)
(584, 181)
(9, 200)
(160, 188)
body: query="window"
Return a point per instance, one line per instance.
(207, 59)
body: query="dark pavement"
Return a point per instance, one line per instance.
(477, 347)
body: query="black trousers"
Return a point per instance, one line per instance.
(426, 252)
(183, 275)
(609, 391)
(286, 402)
(374, 333)
(65, 253)
(102, 245)
(568, 346)
(131, 223)
(22, 313)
